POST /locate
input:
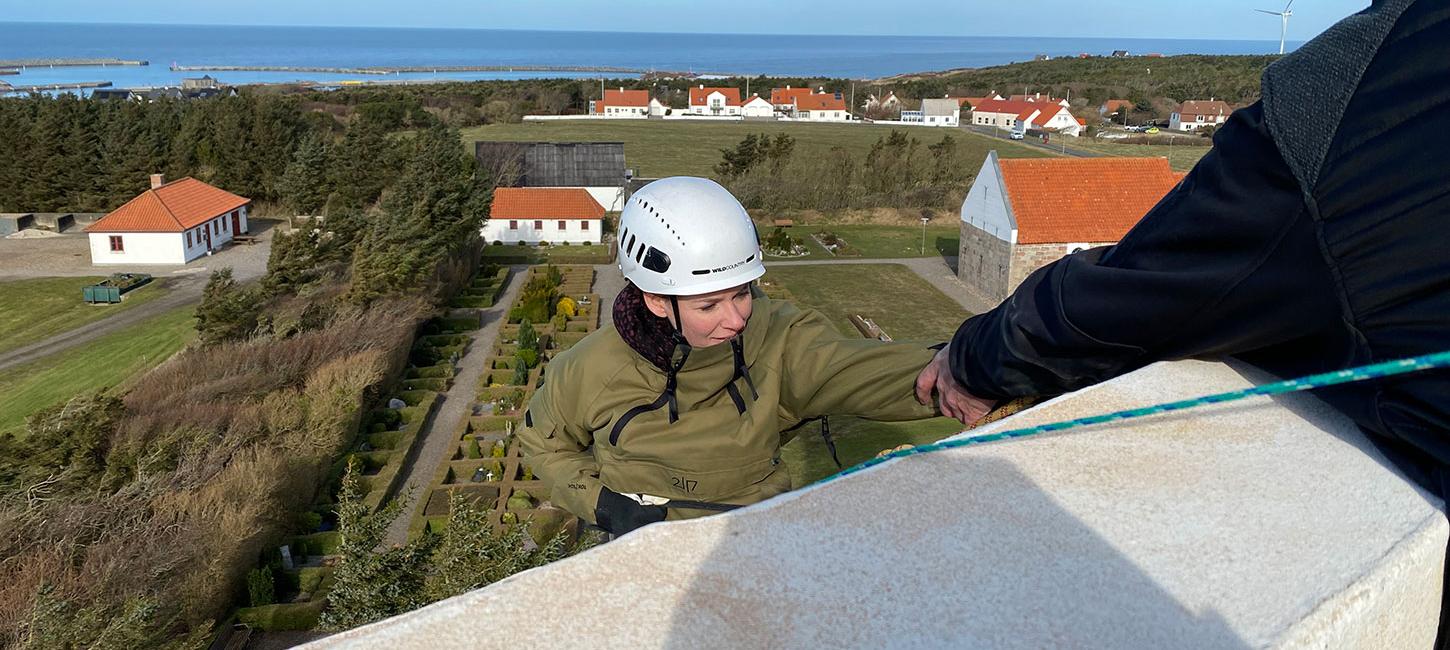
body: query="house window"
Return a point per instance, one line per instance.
(538, 224)
(117, 246)
(188, 239)
(563, 225)
(584, 225)
(513, 225)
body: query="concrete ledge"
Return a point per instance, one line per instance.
(1270, 523)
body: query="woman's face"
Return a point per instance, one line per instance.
(708, 319)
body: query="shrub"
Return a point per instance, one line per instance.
(261, 588)
(442, 370)
(287, 616)
(460, 324)
(308, 522)
(559, 322)
(415, 397)
(523, 243)
(498, 242)
(521, 376)
(473, 451)
(528, 337)
(527, 358)
(317, 543)
(567, 307)
(435, 385)
(543, 244)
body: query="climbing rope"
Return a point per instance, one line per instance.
(1351, 375)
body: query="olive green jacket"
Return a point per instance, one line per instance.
(590, 425)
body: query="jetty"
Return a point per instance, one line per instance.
(65, 63)
(35, 88)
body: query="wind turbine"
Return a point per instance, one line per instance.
(1285, 16)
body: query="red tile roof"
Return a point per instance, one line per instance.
(630, 98)
(1205, 107)
(783, 96)
(1069, 200)
(1035, 97)
(544, 203)
(1112, 105)
(820, 102)
(173, 207)
(698, 95)
(1008, 106)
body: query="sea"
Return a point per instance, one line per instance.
(855, 57)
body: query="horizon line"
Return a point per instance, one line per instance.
(597, 31)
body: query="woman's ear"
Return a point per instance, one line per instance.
(658, 305)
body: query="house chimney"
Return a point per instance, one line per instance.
(157, 180)
(702, 86)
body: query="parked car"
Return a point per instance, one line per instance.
(1151, 130)
(1014, 135)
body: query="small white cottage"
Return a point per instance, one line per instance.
(170, 223)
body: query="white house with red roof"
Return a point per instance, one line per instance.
(1023, 115)
(757, 106)
(1022, 214)
(544, 214)
(820, 107)
(1195, 114)
(623, 103)
(169, 223)
(714, 101)
(784, 98)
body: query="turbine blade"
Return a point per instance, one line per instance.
(1271, 13)
(1286, 7)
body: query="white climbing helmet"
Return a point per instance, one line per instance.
(685, 236)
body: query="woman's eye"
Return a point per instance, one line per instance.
(709, 307)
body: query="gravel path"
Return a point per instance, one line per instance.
(437, 433)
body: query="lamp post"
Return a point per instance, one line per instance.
(922, 250)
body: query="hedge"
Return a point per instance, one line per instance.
(435, 385)
(442, 340)
(317, 543)
(415, 398)
(459, 324)
(285, 616)
(386, 439)
(443, 370)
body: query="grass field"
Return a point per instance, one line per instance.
(857, 440)
(879, 241)
(106, 362)
(1180, 158)
(32, 310)
(656, 148)
(909, 309)
(897, 299)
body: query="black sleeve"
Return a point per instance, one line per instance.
(1227, 263)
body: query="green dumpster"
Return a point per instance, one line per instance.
(111, 289)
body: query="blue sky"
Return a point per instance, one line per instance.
(1219, 19)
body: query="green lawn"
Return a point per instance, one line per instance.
(893, 296)
(656, 148)
(857, 440)
(108, 361)
(1180, 158)
(875, 241)
(32, 310)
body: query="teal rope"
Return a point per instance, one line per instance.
(1362, 373)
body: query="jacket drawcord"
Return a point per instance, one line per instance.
(740, 370)
(682, 345)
